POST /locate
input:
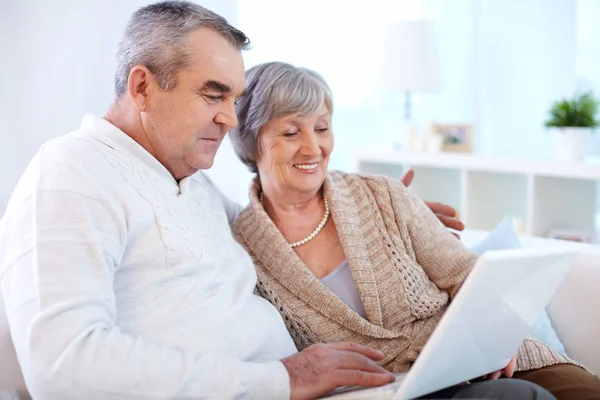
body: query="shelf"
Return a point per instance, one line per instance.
(545, 194)
(588, 169)
(439, 185)
(560, 203)
(490, 196)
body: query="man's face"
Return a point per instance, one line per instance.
(185, 125)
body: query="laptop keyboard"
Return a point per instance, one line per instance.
(385, 392)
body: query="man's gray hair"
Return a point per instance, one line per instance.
(275, 90)
(156, 38)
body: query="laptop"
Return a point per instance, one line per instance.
(484, 325)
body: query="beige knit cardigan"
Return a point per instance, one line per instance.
(406, 265)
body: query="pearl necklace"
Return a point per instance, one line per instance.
(317, 229)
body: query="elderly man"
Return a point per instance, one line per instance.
(118, 271)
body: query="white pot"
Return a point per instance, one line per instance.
(571, 143)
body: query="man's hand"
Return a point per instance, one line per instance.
(508, 371)
(445, 213)
(323, 367)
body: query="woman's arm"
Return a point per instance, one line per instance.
(444, 258)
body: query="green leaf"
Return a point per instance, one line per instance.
(580, 111)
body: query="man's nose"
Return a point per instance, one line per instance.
(227, 116)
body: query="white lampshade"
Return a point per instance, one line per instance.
(409, 59)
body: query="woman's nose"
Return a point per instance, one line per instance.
(310, 144)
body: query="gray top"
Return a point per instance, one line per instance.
(341, 282)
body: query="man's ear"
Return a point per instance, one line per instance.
(140, 86)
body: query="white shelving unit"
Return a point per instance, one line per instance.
(545, 195)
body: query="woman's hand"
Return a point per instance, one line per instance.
(445, 213)
(508, 371)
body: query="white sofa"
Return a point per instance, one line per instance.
(575, 308)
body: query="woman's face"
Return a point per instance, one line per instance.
(294, 152)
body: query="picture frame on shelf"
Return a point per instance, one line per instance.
(456, 138)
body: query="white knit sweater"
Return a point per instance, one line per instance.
(120, 282)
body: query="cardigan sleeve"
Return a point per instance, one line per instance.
(534, 354)
(445, 260)
(61, 243)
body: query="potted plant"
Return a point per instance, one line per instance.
(574, 119)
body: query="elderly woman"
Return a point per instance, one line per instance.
(347, 257)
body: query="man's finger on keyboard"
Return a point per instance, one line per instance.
(362, 378)
(357, 348)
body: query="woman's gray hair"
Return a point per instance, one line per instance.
(156, 38)
(275, 90)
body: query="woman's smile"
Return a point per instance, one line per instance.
(307, 168)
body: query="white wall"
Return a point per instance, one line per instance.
(503, 63)
(57, 65)
(588, 58)
(455, 35)
(526, 56)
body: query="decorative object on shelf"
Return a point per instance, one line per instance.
(434, 142)
(574, 119)
(519, 225)
(408, 63)
(455, 137)
(572, 235)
